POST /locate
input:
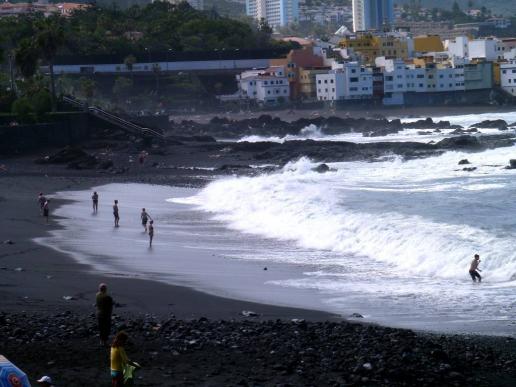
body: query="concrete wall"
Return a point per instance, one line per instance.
(67, 129)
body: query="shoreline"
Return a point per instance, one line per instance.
(205, 332)
(71, 278)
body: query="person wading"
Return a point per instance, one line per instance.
(473, 269)
(151, 232)
(95, 201)
(116, 215)
(104, 304)
(145, 218)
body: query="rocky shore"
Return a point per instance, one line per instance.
(197, 352)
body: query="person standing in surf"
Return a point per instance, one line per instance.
(151, 232)
(46, 210)
(41, 201)
(473, 269)
(95, 201)
(116, 215)
(145, 218)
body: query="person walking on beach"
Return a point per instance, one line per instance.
(115, 213)
(151, 232)
(41, 201)
(104, 304)
(95, 201)
(145, 218)
(473, 269)
(119, 360)
(46, 210)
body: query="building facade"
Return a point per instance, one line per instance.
(268, 86)
(372, 14)
(277, 13)
(508, 77)
(350, 81)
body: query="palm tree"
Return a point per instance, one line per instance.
(49, 38)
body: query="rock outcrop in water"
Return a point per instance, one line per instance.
(267, 126)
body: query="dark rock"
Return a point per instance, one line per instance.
(512, 164)
(459, 142)
(356, 315)
(464, 162)
(233, 167)
(470, 169)
(321, 168)
(491, 124)
(105, 164)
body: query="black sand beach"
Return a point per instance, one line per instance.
(184, 337)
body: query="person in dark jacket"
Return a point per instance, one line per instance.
(104, 304)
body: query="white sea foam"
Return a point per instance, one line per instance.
(404, 225)
(312, 132)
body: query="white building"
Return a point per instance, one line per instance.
(349, 81)
(458, 47)
(483, 49)
(268, 86)
(508, 77)
(400, 78)
(277, 13)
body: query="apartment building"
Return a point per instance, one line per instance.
(372, 14)
(508, 77)
(349, 81)
(369, 46)
(268, 86)
(277, 13)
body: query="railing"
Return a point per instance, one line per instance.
(113, 119)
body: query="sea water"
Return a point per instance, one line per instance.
(391, 239)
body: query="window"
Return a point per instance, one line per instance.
(326, 90)
(325, 81)
(268, 91)
(319, 81)
(353, 89)
(388, 78)
(504, 71)
(331, 80)
(421, 85)
(265, 82)
(420, 76)
(353, 71)
(353, 79)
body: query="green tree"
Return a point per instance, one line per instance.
(26, 58)
(22, 109)
(49, 38)
(41, 103)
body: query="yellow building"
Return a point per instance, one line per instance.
(307, 87)
(369, 47)
(428, 43)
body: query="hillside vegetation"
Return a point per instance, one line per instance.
(506, 8)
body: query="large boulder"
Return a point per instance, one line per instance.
(491, 124)
(459, 142)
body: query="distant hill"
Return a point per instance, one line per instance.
(499, 7)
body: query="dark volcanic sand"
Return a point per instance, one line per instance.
(45, 334)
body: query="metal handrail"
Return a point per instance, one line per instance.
(112, 118)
